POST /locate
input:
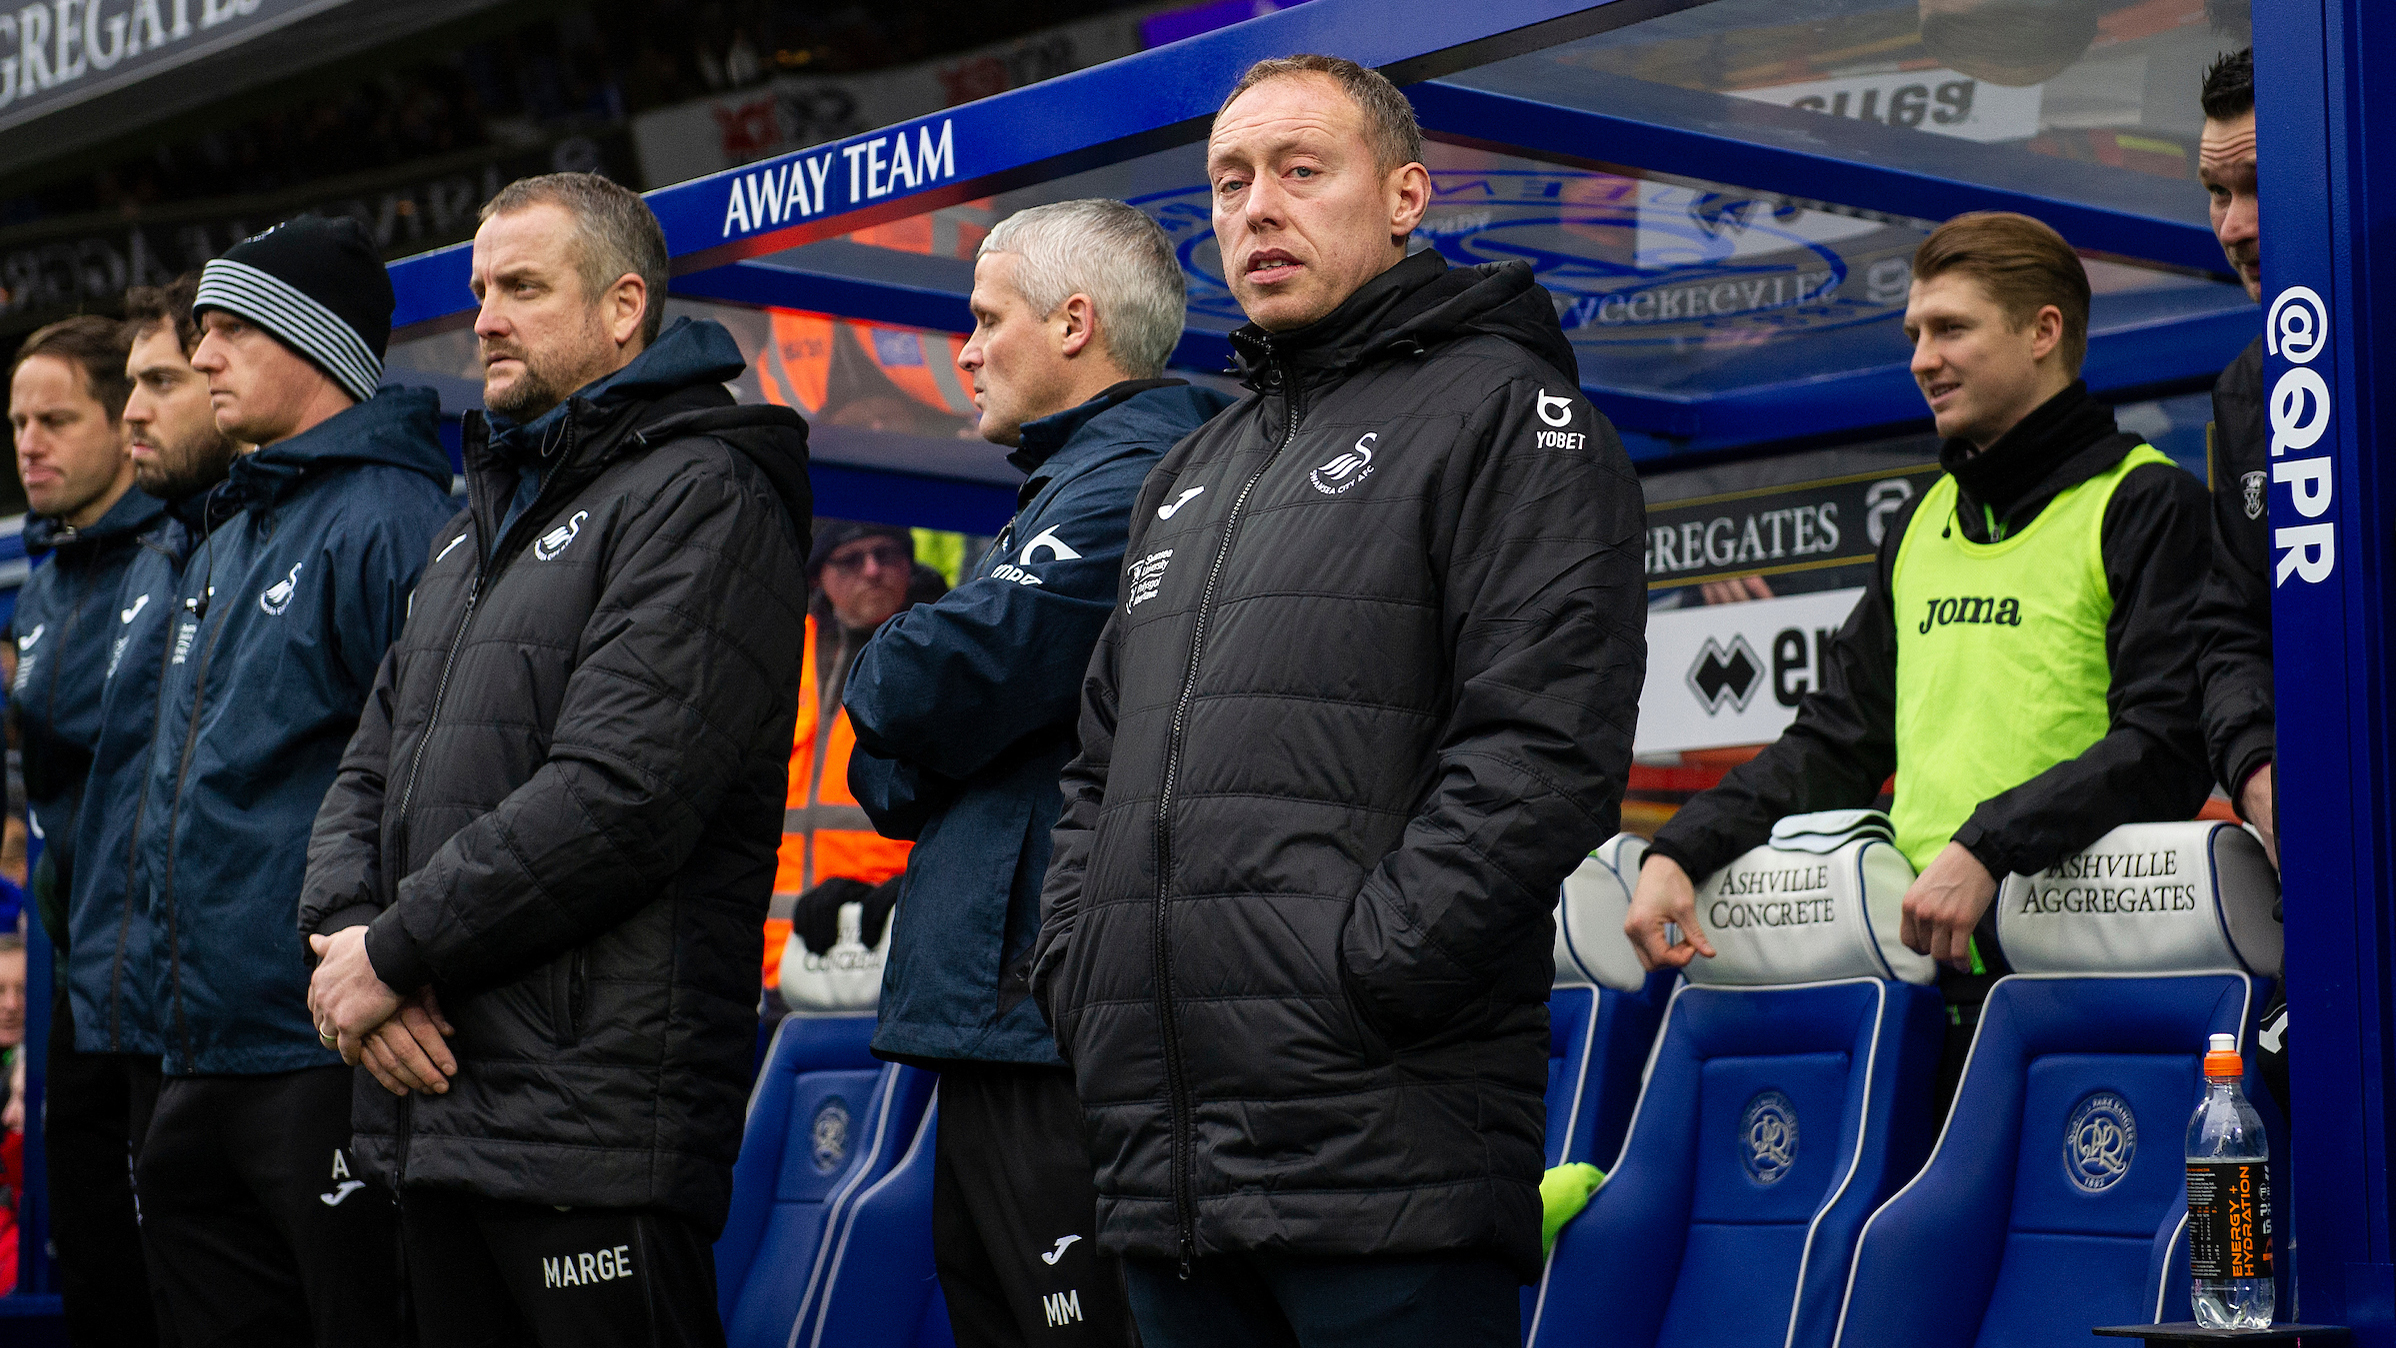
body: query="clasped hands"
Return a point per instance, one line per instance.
(1942, 906)
(401, 1040)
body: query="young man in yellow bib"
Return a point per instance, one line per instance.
(2021, 660)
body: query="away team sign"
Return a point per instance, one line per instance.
(840, 177)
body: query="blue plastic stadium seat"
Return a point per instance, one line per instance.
(1774, 1118)
(1598, 1040)
(880, 1289)
(2056, 1199)
(826, 1122)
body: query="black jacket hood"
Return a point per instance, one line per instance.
(1416, 305)
(674, 388)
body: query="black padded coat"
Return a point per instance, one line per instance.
(562, 804)
(1366, 699)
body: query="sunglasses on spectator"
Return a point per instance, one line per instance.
(888, 557)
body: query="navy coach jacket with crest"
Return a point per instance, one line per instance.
(112, 977)
(964, 712)
(278, 626)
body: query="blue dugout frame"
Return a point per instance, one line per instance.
(719, 228)
(2328, 113)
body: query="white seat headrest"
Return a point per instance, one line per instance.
(2147, 898)
(848, 977)
(1590, 944)
(1801, 915)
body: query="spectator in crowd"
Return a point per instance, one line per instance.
(12, 1127)
(964, 712)
(555, 828)
(67, 402)
(2057, 702)
(257, 1231)
(859, 575)
(2235, 611)
(1365, 701)
(111, 969)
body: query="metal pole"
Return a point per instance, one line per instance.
(2326, 113)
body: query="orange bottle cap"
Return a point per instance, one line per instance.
(2221, 1057)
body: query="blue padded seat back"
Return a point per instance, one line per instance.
(1598, 1041)
(880, 1289)
(825, 1121)
(1773, 1120)
(2056, 1197)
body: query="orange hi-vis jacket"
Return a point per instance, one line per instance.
(824, 832)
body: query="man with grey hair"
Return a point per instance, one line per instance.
(964, 711)
(553, 834)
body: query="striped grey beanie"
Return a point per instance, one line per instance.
(318, 287)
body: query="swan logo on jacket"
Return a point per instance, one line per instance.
(25, 657)
(557, 539)
(1348, 469)
(277, 597)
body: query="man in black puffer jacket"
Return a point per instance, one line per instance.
(1366, 699)
(555, 830)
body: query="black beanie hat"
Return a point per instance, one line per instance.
(832, 535)
(317, 285)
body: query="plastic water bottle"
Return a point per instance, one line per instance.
(2229, 1199)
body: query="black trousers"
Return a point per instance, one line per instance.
(260, 1230)
(515, 1274)
(1015, 1213)
(87, 1116)
(1466, 1299)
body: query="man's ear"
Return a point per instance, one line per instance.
(626, 303)
(2046, 332)
(1079, 323)
(1409, 190)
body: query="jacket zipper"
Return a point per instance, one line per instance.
(1177, 1087)
(141, 805)
(198, 608)
(486, 567)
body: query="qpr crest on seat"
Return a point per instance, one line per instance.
(1768, 1136)
(830, 1135)
(2099, 1141)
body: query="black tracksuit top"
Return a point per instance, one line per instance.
(2235, 609)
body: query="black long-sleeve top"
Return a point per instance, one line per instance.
(2234, 612)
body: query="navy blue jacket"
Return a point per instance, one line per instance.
(111, 975)
(63, 627)
(280, 621)
(965, 712)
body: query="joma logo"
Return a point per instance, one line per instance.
(1984, 610)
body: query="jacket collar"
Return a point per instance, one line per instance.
(1339, 339)
(688, 358)
(1407, 310)
(1044, 437)
(2064, 442)
(133, 512)
(396, 428)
